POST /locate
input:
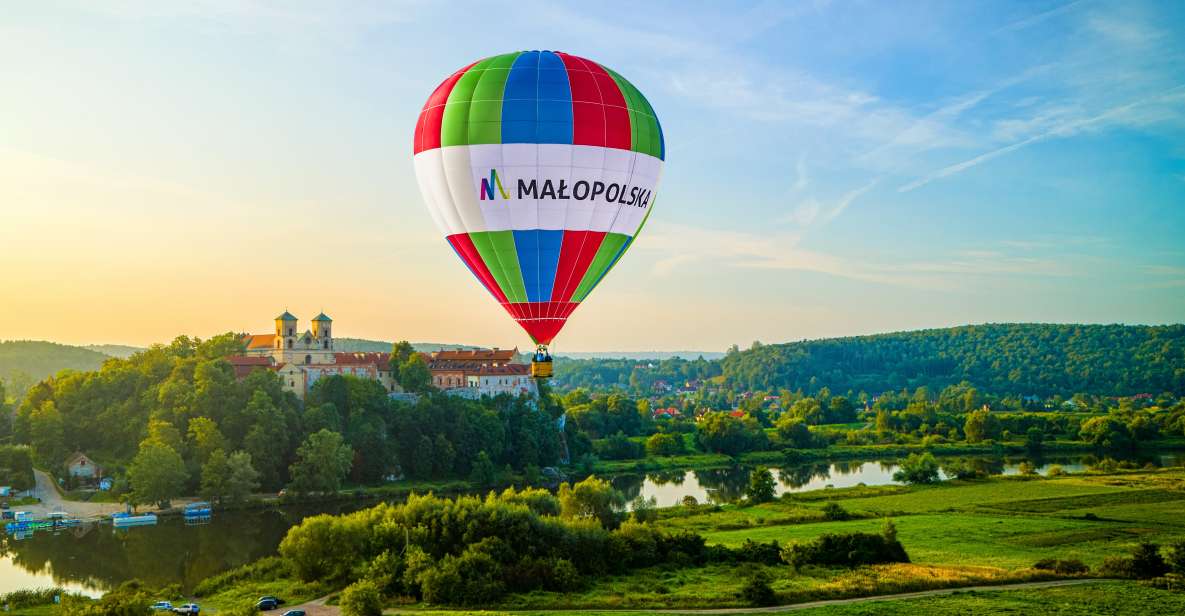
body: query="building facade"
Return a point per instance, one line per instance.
(480, 372)
(301, 358)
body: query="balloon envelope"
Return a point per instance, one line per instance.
(540, 168)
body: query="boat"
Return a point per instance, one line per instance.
(198, 510)
(123, 520)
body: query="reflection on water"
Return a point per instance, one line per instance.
(97, 557)
(727, 485)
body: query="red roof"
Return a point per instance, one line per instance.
(381, 360)
(737, 413)
(508, 369)
(476, 355)
(243, 364)
(260, 341)
(667, 412)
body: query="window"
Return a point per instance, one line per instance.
(325, 344)
(308, 359)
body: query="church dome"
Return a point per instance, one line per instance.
(322, 317)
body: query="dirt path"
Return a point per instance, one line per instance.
(51, 500)
(318, 607)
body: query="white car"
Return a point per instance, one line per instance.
(188, 608)
(162, 606)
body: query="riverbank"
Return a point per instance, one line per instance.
(958, 533)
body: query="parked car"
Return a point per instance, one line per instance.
(278, 600)
(293, 613)
(265, 605)
(188, 608)
(162, 606)
(4, 505)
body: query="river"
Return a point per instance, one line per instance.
(92, 559)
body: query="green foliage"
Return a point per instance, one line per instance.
(845, 550)
(644, 510)
(323, 461)
(1062, 567)
(16, 467)
(793, 432)
(981, 425)
(757, 591)
(414, 375)
(761, 486)
(157, 474)
(663, 444)
(592, 498)
(1176, 559)
(918, 468)
(362, 598)
(835, 512)
(723, 433)
(1040, 359)
(618, 447)
(484, 474)
(1107, 433)
(47, 434)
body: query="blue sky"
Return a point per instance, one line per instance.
(833, 168)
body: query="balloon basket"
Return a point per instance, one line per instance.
(541, 367)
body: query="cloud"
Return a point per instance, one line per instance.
(1038, 18)
(1121, 114)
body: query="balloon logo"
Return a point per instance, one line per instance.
(540, 168)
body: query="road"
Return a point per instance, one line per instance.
(318, 607)
(51, 500)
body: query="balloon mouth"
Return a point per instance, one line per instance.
(543, 330)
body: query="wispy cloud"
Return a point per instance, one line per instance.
(1115, 115)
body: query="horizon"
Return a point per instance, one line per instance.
(833, 169)
(607, 352)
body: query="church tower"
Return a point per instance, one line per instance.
(286, 330)
(322, 331)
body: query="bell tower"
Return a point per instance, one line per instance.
(323, 331)
(286, 330)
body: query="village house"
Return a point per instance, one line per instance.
(479, 372)
(82, 467)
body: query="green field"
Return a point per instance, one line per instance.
(959, 533)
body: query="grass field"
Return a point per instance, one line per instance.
(956, 533)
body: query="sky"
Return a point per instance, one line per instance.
(832, 168)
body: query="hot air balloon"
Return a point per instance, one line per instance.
(540, 168)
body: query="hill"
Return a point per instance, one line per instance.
(361, 345)
(24, 362)
(1009, 358)
(121, 351)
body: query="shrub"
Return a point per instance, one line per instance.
(564, 576)
(1147, 561)
(644, 510)
(1055, 470)
(753, 552)
(1026, 468)
(472, 578)
(961, 469)
(690, 502)
(918, 468)
(664, 445)
(1116, 567)
(618, 447)
(1062, 567)
(835, 512)
(1176, 559)
(847, 550)
(761, 486)
(757, 590)
(362, 598)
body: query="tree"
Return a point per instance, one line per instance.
(723, 433)
(1176, 559)
(883, 426)
(205, 438)
(165, 433)
(400, 352)
(266, 440)
(1147, 562)
(362, 598)
(1106, 432)
(484, 474)
(918, 468)
(157, 473)
(660, 444)
(757, 590)
(215, 474)
(980, 426)
(242, 479)
(761, 486)
(1034, 439)
(794, 433)
(591, 498)
(323, 461)
(46, 434)
(414, 375)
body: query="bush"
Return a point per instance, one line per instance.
(846, 550)
(757, 590)
(690, 502)
(473, 578)
(1062, 567)
(1147, 561)
(644, 510)
(1026, 468)
(1176, 560)
(961, 469)
(362, 598)
(1055, 470)
(761, 486)
(918, 468)
(835, 512)
(618, 447)
(753, 552)
(664, 445)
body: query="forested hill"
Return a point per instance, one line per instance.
(23, 362)
(1023, 359)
